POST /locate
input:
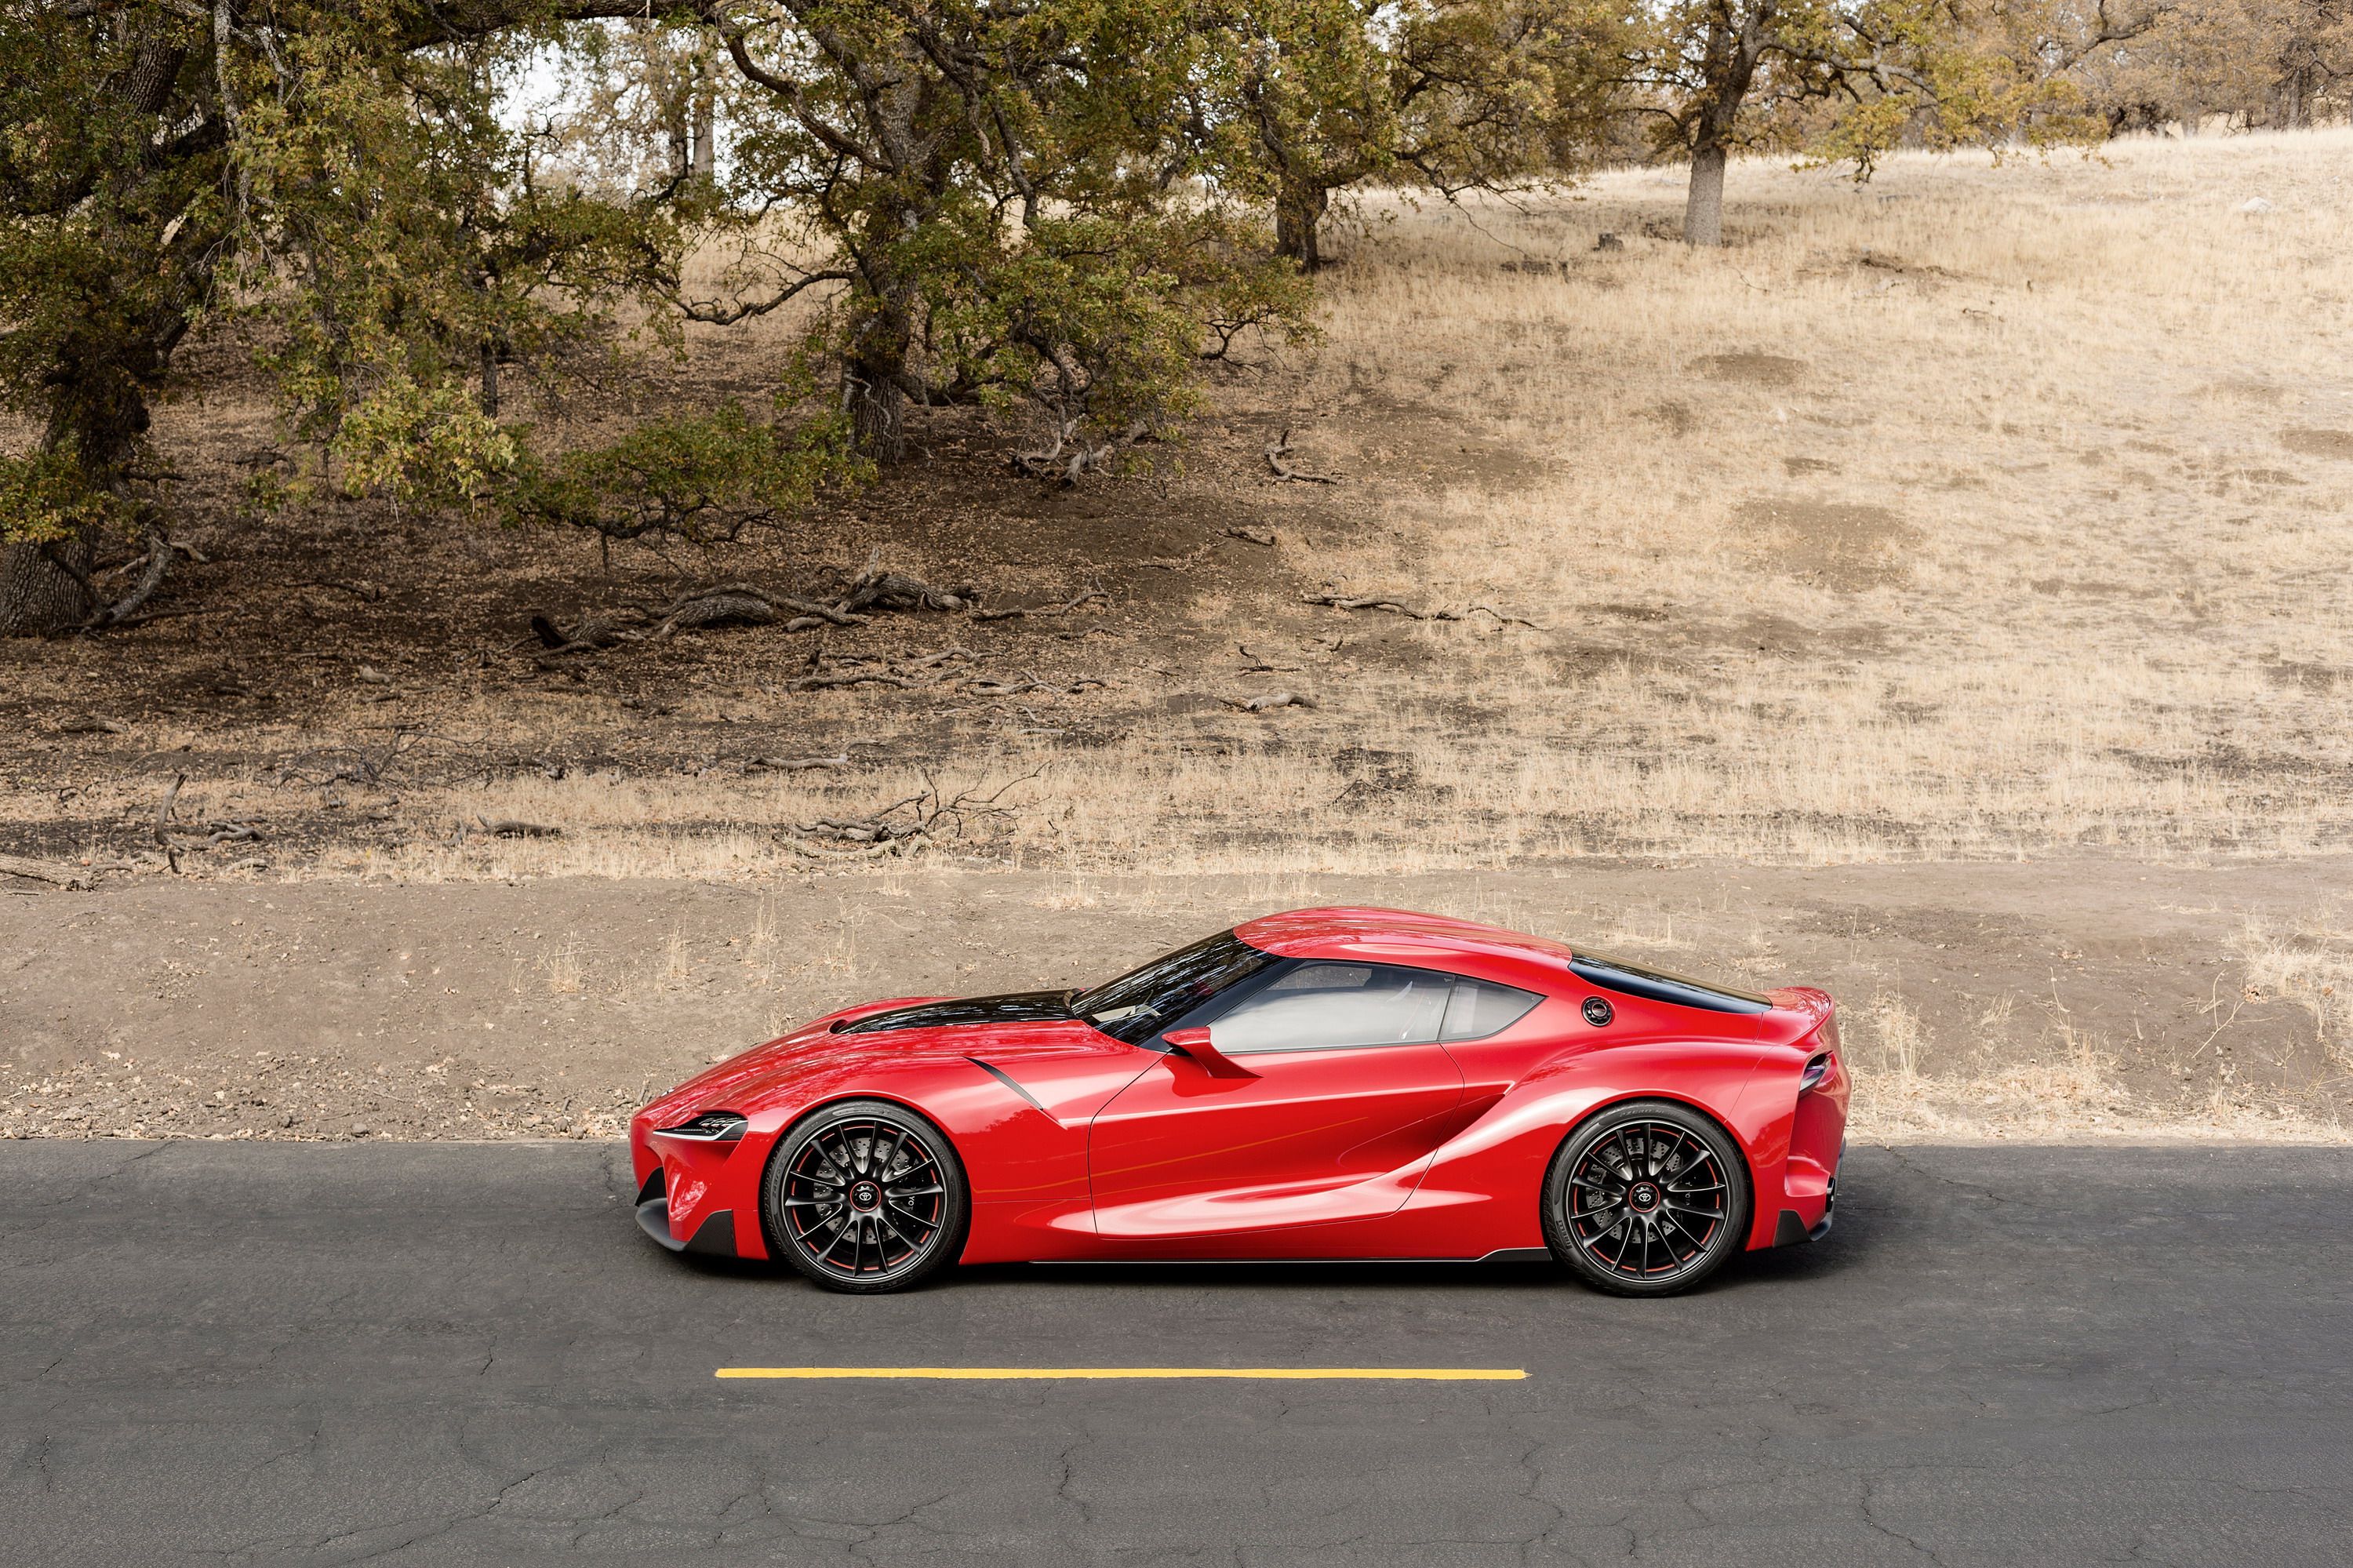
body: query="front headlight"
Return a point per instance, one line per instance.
(711, 1127)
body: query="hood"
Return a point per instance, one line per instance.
(876, 1035)
(1014, 1007)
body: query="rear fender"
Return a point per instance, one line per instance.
(1484, 1192)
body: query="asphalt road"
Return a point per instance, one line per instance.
(218, 1352)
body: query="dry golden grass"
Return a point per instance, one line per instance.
(1973, 511)
(1976, 512)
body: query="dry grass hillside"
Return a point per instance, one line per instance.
(1979, 512)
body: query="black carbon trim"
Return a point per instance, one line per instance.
(1001, 1077)
(715, 1237)
(1632, 979)
(657, 1186)
(1519, 1255)
(653, 1218)
(1789, 1230)
(1014, 1007)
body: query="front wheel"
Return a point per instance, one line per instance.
(1646, 1199)
(865, 1196)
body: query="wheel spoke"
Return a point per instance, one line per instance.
(1667, 1219)
(882, 1218)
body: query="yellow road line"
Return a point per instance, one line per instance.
(1380, 1375)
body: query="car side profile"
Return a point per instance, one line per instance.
(1324, 1084)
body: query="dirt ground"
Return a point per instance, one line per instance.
(2072, 997)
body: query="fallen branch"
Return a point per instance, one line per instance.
(732, 604)
(1050, 464)
(63, 876)
(850, 678)
(796, 763)
(1250, 536)
(511, 828)
(1498, 615)
(988, 688)
(906, 845)
(1269, 701)
(163, 822)
(1374, 601)
(1280, 449)
(1258, 666)
(896, 590)
(366, 593)
(1063, 609)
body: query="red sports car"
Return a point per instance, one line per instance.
(1324, 1084)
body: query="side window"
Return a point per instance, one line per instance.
(1481, 1008)
(1323, 1006)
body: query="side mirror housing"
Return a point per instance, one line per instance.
(1195, 1043)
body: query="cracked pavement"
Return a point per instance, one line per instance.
(430, 1354)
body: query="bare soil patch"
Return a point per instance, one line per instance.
(1843, 545)
(1752, 369)
(2319, 443)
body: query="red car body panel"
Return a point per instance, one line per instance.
(1078, 1146)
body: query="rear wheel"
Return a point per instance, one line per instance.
(1646, 1199)
(865, 1196)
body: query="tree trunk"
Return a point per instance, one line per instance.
(38, 594)
(1299, 209)
(878, 408)
(45, 589)
(703, 121)
(1704, 208)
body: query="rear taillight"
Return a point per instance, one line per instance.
(1817, 1069)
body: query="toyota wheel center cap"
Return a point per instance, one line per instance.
(1644, 1197)
(865, 1195)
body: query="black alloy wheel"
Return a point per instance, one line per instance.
(1646, 1199)
(865, 1196)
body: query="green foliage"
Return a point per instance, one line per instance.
(404, 245)
(423, 443)
(1006, 221)
(1309, 97)
(704, 478)
(1845, 81)
(110, 210)
(45, 497)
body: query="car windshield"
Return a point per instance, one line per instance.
(1143, 1001)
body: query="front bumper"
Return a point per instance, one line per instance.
(697, 1194)
(714, 1230)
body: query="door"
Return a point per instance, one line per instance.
(1337, 1094)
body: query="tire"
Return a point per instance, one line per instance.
(1647, 1198)
(865, 1196)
